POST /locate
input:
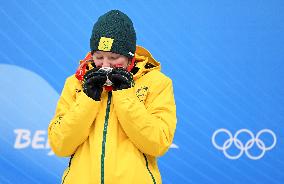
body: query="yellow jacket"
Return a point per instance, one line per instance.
(116, 140)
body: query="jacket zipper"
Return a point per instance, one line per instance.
(104, 137)
(147, 166)
(69, 165)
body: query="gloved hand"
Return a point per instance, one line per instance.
(121, 79)
(93, 82)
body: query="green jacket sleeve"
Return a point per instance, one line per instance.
(151, 129)
(73, 118)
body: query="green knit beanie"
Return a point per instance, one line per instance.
(114, 32)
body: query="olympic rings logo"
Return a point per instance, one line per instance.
(244, 147)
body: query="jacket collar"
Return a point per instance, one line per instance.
(145, 62)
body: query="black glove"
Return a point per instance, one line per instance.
(93, 82)
(121, 79)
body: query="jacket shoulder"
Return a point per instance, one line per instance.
(71, 87)
(72, 79)
(158, 78)
(72, 82)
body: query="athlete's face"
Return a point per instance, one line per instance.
(110, 59)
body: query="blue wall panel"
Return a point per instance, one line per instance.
(225, 59)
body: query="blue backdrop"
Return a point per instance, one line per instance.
(225, 58)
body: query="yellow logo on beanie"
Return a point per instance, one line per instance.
(105, 44)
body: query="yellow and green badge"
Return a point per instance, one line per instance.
(105, 44)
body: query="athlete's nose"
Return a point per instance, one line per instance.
(105, 63)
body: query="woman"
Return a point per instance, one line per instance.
(117, 114)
